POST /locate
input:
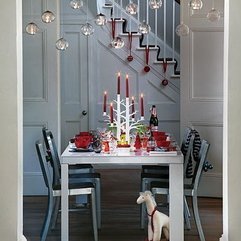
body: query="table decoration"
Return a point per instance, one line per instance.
(120, 116)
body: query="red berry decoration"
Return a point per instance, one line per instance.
(130, 58)
(165, 82)
(146, 69)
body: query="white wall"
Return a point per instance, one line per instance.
(11, 170)
(232, 127)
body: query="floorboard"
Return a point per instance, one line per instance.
(120, 213)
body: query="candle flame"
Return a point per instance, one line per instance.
(105, 92)
(111, 103)
(127, 76)
(132, 97)
(118, 74)
(141, 95)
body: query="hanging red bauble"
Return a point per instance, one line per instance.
(130, 58)
(146, 68)
(165, 82)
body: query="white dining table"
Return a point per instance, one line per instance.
(125, 160)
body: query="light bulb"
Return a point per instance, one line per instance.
(76, 4)
(61, 44)
(87, 29)
(117, 43)
(32, 28)
(100, 19)
(48, 17)
(132, 8)
(144, 28)
(155, 4)
(196, 4)
(182, 30)
(213, 15)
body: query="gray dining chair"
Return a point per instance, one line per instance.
(77, 173)
(191, 188)
(54, 194)
(161, 173)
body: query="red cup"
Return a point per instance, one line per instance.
(82, 141)
(163, 143)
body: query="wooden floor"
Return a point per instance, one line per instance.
(120, 213)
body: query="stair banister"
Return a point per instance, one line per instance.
(164, 29)
(173, 30)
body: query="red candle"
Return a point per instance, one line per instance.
(142, 105)
(111, 112)
(127, 87)
(105, 101)
(132, 107)
(118, 84)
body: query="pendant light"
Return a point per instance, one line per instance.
(144, 28)
(100, 19)
(155, 4)
(31, 28)
(87, 29)
(76, 4)
(182, 29)
(214, 14)
(48, 16)
(132, 8)
(62, 44)
(196, 4)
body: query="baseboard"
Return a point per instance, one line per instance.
(33, 184)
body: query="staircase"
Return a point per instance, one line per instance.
(163, 47)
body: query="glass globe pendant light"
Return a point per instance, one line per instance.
(62, 44)
(213, 15)
(196, 4)
(32, 28)
(48, 17)
(144, 28)
(117, 43)
(76, 4)
(100, 19)
(132, 8)
(87, 29)
(182, 29)
(155, 4)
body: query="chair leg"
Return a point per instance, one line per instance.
(46, 224)
(55, 212)
(143, 207)
(197, 218)
(186, 214)
(98, 202)
(94, 215)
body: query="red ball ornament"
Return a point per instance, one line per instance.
(130, 58)
(146, 68)
(165, 82)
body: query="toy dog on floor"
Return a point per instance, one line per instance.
(157, 221)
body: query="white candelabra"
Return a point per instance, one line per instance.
(124, 121)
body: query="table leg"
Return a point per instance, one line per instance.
(64, 203)
(176, 202)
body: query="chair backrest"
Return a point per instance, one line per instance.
(53, 154)
(185, 140)
(199, 163)
(44, 165)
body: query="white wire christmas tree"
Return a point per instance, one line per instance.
(121, 117)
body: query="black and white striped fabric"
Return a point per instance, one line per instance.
(195, 151)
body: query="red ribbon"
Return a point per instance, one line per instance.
(113, 27)
(164, 66)
(130, 57)
(147, 50)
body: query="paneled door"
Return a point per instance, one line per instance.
(74, 84)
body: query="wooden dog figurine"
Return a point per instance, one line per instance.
(157, 221)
